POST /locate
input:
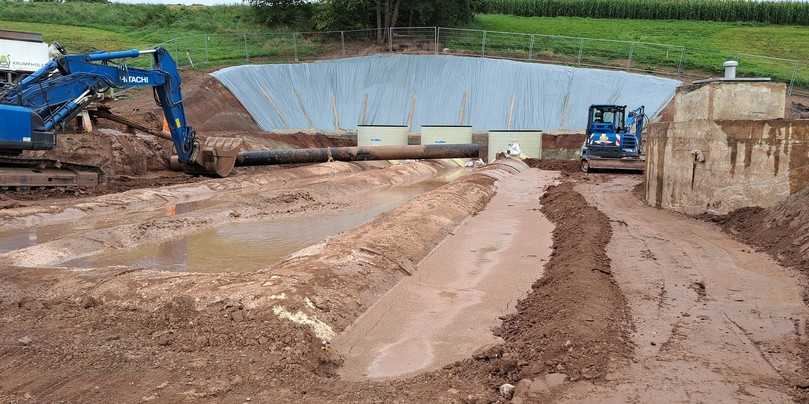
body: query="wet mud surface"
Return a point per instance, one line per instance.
(633, 303)
(246, 247)
(446, 311)
(213, 337)
(714, 321)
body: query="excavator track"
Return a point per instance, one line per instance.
(23, 173)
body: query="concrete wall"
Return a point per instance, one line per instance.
(723, 146)
(746, 163)
(727, 101)
(554, 146)
(446, 134)
(382, 135)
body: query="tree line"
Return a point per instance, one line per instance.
(361, 14)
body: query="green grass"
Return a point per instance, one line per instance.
(707, 44)
(78, 39)
(766, 40)
(124, 24)
(82, 27)
(772, 12)
(136, 19)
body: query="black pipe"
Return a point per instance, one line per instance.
(362, 153)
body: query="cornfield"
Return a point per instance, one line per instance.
(772, 12)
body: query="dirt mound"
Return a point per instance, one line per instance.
(797, 107)
(209, 106)
(114, 152)
(576, 318)
(782, 231)
(565, 166)
(172, 353)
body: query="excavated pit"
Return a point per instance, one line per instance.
(247, 247)
(233, 224)
(447, 310)
(375, 282)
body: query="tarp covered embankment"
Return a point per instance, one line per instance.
(435, 90)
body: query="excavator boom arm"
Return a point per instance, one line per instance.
(62, 87)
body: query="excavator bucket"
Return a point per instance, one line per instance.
(216, 156)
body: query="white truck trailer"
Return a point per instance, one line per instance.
(21, 53)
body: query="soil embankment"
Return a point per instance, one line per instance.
(176, 335)
(714, 321)
(160, 336)
(782, 230)
(447, 309)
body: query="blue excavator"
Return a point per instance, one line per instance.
(32, 110)
(614, 139)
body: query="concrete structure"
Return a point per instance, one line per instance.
(561, 146)
(724, 146)
(530, 142)
(728, 101)
(382, 135)
(446, 134)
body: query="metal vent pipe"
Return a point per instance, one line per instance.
(730, 69)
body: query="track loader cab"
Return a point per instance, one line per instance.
(613, 138)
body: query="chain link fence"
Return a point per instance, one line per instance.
(212, 50)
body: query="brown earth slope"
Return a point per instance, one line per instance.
(782, 230)
(86, 336)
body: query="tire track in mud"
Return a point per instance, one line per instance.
(713, 320)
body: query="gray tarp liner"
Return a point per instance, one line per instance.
(448, 90)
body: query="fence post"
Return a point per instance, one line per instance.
(343, 41)
(295, 44)
(681, 62)
(390, 39)
(631, 51)
(581, 49)
(206, 47)
(246, 53)
(483, 45)
(436, 31)
(531, 48)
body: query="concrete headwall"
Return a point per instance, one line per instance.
(719, 166)
(724, 146)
